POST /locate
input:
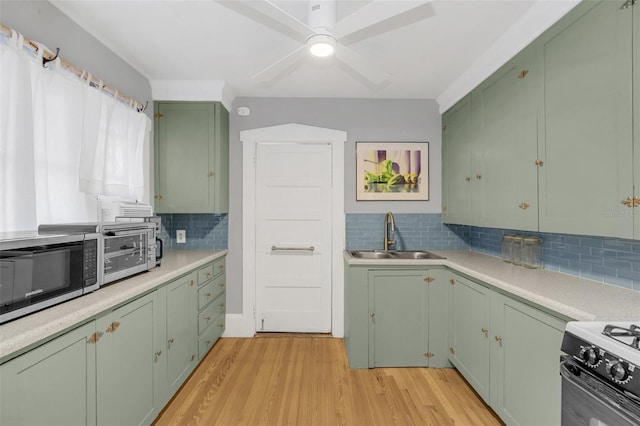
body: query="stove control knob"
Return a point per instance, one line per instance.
(619, 371)
(590, 356)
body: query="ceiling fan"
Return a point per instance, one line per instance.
(321, 35)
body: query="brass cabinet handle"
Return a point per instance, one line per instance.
(222, 305)
(193, 356)
(208, 295)
(485, 330)
(429, 280)
(208, 318)
(191, 283)
(158, 353)
(94, 337)
(538, 163)
(478, 176)
(468, 179)
(220, 325)
(212, 174)
(452, 281)
(158, 197)
(208, 274)
(524, 206)
(498, 339)
(208, 342)
(428, 355)
(221, 284)
(627, 202)
(113, 327)
(453, 351)
(372, 314)
(170, 340)
(221, 266)
(636, 201)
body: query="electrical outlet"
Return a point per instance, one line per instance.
(181, 236)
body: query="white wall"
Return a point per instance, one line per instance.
(406, 120)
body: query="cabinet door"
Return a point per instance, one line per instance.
(586, 134)
(131, 359)
(525, 354)
(182, 335)
(505, 126)
(636, 107)
(398, 322)
(192, 157)
(456, 163)
(438, 317)
(54, 384)
(469, 332)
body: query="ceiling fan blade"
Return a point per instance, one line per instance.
(361, 66)
(271, 11)
(373, 13)
(281, 66)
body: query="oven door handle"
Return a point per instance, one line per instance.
(137, 231)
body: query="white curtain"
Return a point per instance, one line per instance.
(62, 143)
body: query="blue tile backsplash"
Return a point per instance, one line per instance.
(204, 231)
(414, 231)
(609, 260)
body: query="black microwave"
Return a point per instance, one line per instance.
(38, 271)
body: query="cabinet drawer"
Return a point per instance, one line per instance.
(219, 266)
(211, 312)
(209, 338)
(205, 273)
(210, 291)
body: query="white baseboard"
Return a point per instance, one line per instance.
(238, 326)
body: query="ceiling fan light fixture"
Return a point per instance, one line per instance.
(321, 45)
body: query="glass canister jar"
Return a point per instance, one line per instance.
(532, 252)
(516, 249)
(507, 241)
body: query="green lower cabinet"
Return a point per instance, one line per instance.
(508, 351)
(396, 317)
(53, 384)
(525, 352)
(469, 305)
(131, 359)
(182, 331)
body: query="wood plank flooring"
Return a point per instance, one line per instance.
(307, 381)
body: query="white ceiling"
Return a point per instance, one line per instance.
(439, 50)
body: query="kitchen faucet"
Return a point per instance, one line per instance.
(389, 242)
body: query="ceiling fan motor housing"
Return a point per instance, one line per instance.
(322, 15)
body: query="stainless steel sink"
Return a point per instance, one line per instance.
(394, 254)
(367, 254)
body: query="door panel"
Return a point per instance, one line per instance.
(293, 237)
(586, 141)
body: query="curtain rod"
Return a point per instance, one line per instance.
(49, 56)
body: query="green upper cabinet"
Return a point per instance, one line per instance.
(191, 157)
(457, 145)
(586, 137)
(504, 119)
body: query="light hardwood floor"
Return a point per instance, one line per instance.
(307, 381)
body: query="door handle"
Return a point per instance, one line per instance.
(275, 248)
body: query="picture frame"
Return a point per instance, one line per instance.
(392, 171)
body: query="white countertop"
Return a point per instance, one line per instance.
(570, 296)
(18, 335)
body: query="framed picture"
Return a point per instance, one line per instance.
(392, 171)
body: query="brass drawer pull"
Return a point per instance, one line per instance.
(485, 330)
(170, 340)
(498, 339)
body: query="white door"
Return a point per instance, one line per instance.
(293, 207)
